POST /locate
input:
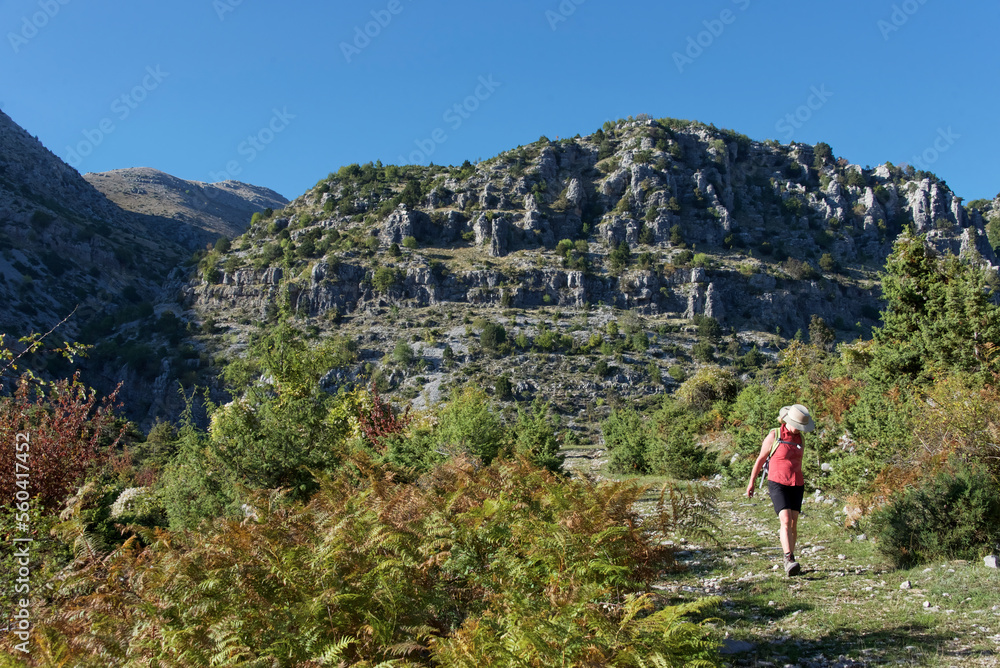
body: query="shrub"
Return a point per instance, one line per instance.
(502, 388)
(281, 429)
(752, 359)
(993, 232)
(59, 434)
(492, 336)
(708, 385)
(468, 425)
(708, 327)
(674, 450)
(409, 242)
(703, 351)
(384, 279)
(403, 353)
(535, 437)
(955, 514)
(626, 438)
(619, 258)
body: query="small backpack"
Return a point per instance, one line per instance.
(774, 447)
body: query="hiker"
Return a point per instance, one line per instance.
(781, 458)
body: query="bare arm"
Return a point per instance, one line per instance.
(765, 451)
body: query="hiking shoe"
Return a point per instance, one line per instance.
(792, 568)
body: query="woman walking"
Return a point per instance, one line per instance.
(782, 452)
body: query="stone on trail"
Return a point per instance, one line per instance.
(990, 561)
(732, 646)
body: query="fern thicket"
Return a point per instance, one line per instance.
(499, 565)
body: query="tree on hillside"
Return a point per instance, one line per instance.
(939, 315)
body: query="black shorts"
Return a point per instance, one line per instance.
(785, 496)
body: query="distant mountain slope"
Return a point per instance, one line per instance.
(63, 244)
(191, 212)
(116, 262)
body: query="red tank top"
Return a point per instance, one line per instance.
(786, 462)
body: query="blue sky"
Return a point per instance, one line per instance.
(280, 94)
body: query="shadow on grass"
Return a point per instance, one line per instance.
(763, 612)
(905, 644)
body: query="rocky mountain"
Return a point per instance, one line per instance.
(607, 265)
(67, 248)
(192, 213)
(582, 271)
(64, 244)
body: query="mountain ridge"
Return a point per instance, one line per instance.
(207, 211)
(614, 265)
(671, 221)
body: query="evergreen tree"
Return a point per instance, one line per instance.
(939, 316)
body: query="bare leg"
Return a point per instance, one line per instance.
(789, 532)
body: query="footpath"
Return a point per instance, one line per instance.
(849, 608)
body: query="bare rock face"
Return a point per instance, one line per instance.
(493, 233)
(405, 222)
(398, 226)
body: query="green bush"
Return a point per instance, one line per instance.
(468, 425)
(708, 327)
(403, 353)
(619, 258)
(955, 514)
(492, 336)
(535, 437)
(384, 279)
(709, 385)
(703, 351)
(503, 388)
(674, 450)
(626, 438)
